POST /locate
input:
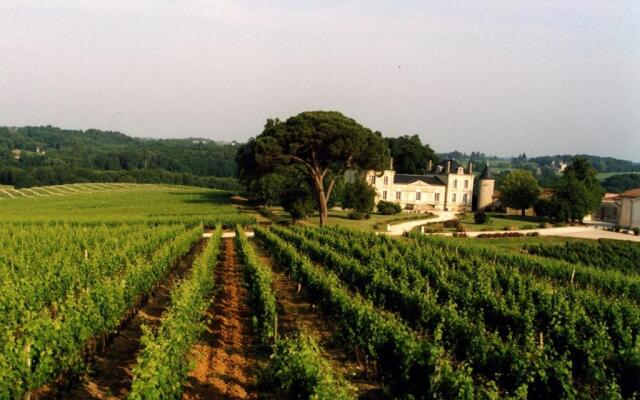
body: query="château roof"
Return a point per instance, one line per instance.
(406, 179)
(486, 174)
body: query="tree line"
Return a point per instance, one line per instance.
(35, 156)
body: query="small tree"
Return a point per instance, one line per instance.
(297, 200)
(480, 217)
(359, 196)
(519, 190)
(578, 193)
(388, 208)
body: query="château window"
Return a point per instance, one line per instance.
(453, 198)
(455, 183)
(466, 184)
(437, 197)
(386, 180)
(373, 180)
(418, 196)
(384, 195)
(464, 198)
(398, 195)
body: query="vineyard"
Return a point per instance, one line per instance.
(160, 293)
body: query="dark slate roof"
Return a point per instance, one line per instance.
(405, 179)
(486, 174)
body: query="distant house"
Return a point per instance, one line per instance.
(448, 187)
(16, 153)
(620, 209)
(609, 209)
(629, 208)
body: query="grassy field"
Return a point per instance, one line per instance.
(498, 222)
(115, 203)
(604, 175)
(376, 222)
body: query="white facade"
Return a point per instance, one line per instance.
(447, 188)
(630, 212)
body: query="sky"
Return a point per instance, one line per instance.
(500, 77)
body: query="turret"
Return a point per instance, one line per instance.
(485, 192)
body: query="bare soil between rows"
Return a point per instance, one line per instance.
(295, 313)
(226, 361)
(110, 376)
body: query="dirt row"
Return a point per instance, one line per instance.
(295, 312)
(226, 360)
(110, 375)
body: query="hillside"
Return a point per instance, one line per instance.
(33, 156)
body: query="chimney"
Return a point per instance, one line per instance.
(448, 166)
(470, 168)
(391, 163)
(429, 166)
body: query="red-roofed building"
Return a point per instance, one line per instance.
(629, 208)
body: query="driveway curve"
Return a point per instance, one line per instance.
(401, 228)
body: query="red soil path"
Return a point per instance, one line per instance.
(226, 360)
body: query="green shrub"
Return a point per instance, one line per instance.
(356, 215)
(388, 208)
(481, 218)
(636, 231)
(298, 371)
(454, 223)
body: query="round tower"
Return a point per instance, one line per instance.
(485, 189)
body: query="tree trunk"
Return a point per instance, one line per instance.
(524, 212)
(324, 211)
(322, 199)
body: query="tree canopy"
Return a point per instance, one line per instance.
(519, 190)
(621, 183)
(578, 192)
(324, 143)
(410, 156)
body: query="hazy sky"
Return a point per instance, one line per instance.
(495, 76)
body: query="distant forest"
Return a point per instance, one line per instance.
(36, 156)
(601, 164)
(46, 155)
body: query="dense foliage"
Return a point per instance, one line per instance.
(259, 281)
(519, 190)
(49, 155)
(359, 196)
(601, 164)
(620, 183)
(409, 365)
(492, 314)
(324, 144)
(297, 371)
(55, 341)
(163, 365)
(409, 155)
(606, 254)
(578, 192)
(388, 208)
